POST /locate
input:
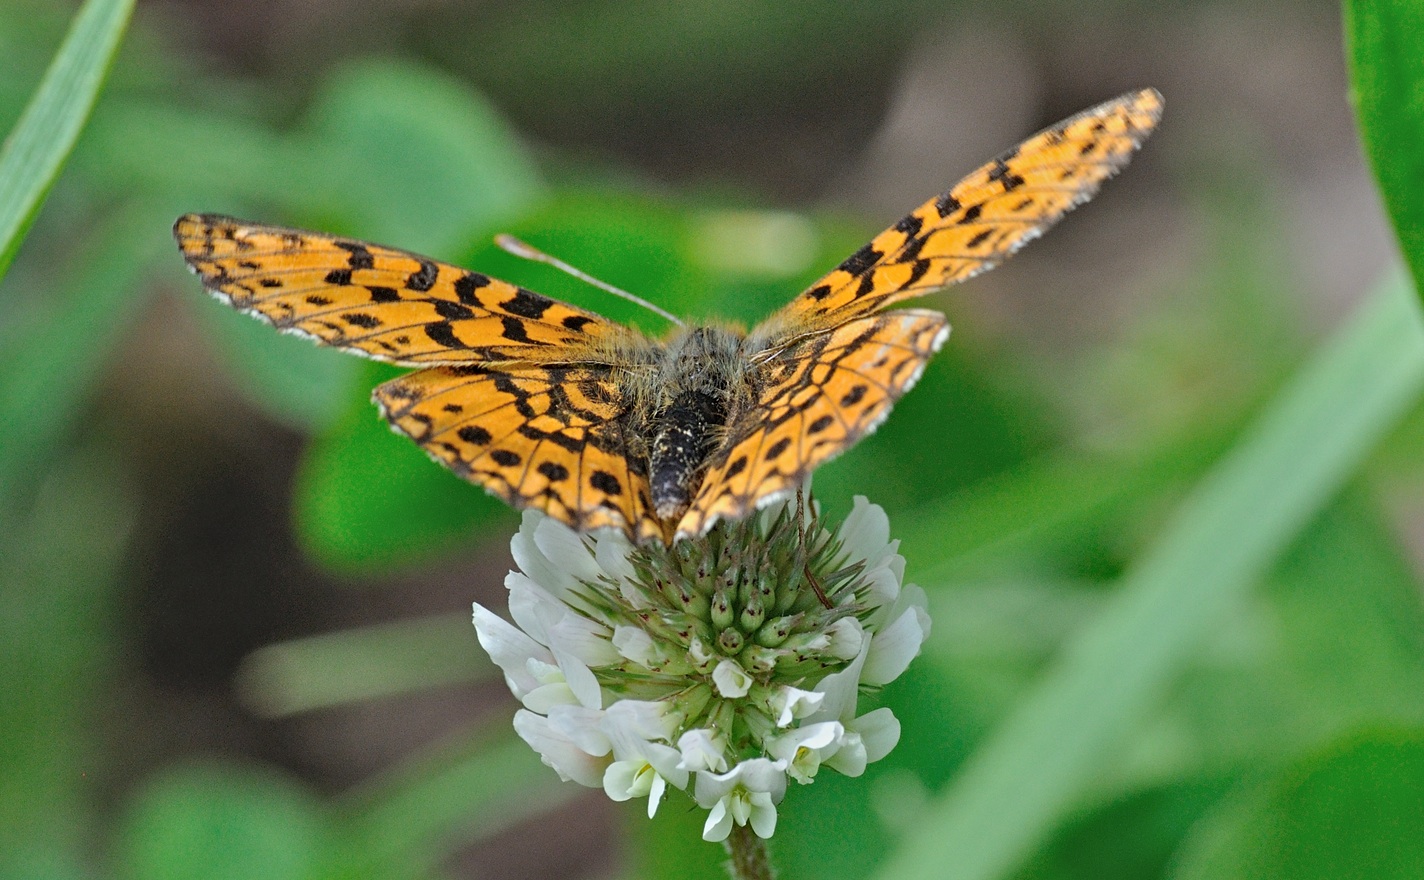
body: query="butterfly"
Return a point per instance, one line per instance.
(549, 406)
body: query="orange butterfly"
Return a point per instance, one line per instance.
(550, 406)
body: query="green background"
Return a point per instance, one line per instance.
(1163, 486)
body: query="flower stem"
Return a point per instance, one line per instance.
(750, 860)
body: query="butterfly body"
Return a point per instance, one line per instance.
(547, 405)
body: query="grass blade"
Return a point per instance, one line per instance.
(47, 130)
(1310, 439)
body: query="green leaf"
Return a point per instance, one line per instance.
(413, 158)
(1384, 41)
(47, 373)
(369, 499)
(403, 823)
(222, 822)
(300, 384)
(1353, 812)
(1019, 785)
(60, 567)
(365, 663)
(40, 142)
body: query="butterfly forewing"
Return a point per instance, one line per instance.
(986, 216)
(377, 301)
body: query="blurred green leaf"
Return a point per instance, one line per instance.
(302, 385)
(1131, 838)
(403, 823)
(60, 561)
(46, 374)
(1286, 673)
(368, 499)
(367, 663)
(1059, 497)
(1016, 787)
(1353, 812)
(413, 158)
(40, 142)
(1385, 44)
(223, 822)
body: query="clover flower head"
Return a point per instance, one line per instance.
(730, 663)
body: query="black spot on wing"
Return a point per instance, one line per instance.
(860, 261)
(452, 311)
(527, 304)
(442, 334)
(467, 284)
(514, 330)
(606, 483)
(553, 471)
(505, 457)
(474, 434)
(946, 205)
(422, 279)
(359, 257)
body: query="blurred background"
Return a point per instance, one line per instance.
(235, 632)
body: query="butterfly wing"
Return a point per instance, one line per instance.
(985, 218)
(557, 438)
(381, 302)
(519, 395)
(824, 392)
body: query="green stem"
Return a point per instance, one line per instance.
(750, 860)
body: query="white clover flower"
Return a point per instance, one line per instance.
(749, 791)
(729, 663)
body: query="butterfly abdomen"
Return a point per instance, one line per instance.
(698, 390)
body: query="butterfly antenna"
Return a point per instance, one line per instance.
(529, 252)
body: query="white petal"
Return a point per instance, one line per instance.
(581, 680)
(566, 551)
(546, 696)
(701, 751)
(866, 531)
(847, 636)
(850, 758)
(641, 719)
(532, 561)
(580, 725)
(719, 823)
(655, 796)
(841, 690)
(533, 608)
(763, 815)
(558, 752)
(611, 549)
(789, 703)
(553, 623)
(880, 731)
(510, 649)
(634, 644)
(731, 679)
(620, 780)
(892, 649)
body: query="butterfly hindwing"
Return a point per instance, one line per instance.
(986, 217)
(384, 303)
(823, 393)
(557, 438)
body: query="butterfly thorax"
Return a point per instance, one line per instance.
(702, 382)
